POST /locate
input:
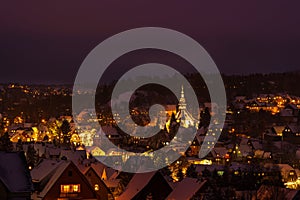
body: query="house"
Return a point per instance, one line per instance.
(210, 168)
(266, 192)
(52, 152)
(291, 133)
(278, 130)
(219, 154)
(245, 147)
(97, 182)
(98, 174)
(256, 144)
(146, 184)
(21, 133)
(186, 189)
(110, 132)
(95, 151)
(262, 154)
(194, 148)
(290, 113)
(108, 175)
(239, 102)
(291, 130)
(42, 173)
(288, 173)
(67, 182)
(15, 180)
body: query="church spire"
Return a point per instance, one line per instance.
(182, 92)
(182, 103)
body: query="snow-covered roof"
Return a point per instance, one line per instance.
(40, 149)
(295, 128)
(267, 192)
(112, 183)
(221, 151)
(186, 189)
(39, 172)
(53, 151)
(74, 155)
(285, 167)
(245, 149)
(13, 172)
(136, 184)
(256, 144)
(99, 167)
(244, 141)
(58, 172)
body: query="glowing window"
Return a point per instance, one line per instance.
(72, 188)
(220, 173)
(75, 188)
(96, 187)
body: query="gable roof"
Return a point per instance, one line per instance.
(186, 189)
(278, 129)
(57, 174)
(99, 167)
(136, 184)
(14, 173)
(294, 128)
(221, 151)
(91, 169)
(39, 172)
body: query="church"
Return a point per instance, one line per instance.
(183, 115)
(186, 119)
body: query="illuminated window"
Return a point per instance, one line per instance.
(96, 187)
(75, 188)
(220, 173)
(72, 188)
(65, 188)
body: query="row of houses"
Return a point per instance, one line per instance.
(73, 176)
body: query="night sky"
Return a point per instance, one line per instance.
(45, 42)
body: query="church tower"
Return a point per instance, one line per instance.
(183, 115)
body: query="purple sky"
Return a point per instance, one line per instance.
(47, 41)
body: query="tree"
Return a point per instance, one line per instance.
(179, 175)
(32, 157)
(5, 143)
(46, 138)
(2, 125)
(19, 145)
(66, 129)
(191, 171)
(204, 118)
(173, 118)
(206, 173)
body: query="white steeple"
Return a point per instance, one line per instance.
(182, 102)
(186, 119)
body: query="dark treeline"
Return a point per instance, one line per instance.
(40, 102)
